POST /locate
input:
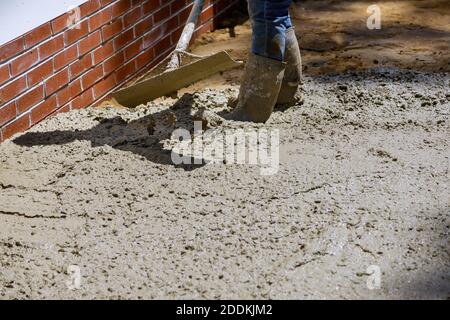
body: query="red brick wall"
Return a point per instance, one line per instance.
(57, 68)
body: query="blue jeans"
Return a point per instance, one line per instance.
(270, 20)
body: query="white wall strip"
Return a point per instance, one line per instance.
(17, 17)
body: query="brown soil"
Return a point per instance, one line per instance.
(334, 38)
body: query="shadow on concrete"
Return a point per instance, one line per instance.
(433, 281)
(143, 136)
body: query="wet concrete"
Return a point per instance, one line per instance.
(363, 181)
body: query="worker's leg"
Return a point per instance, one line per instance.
(289, 93)
(274, 38)
(265, 67)
(270, 20)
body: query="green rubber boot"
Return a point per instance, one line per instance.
(259, 89)
(289, 94)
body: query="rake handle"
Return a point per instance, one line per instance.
(186, 36)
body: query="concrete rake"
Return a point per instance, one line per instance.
(178, 70)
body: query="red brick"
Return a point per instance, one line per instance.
(99, 19)
(113, 63)
(176, 34)
(207, 15)
(183, 15)
(112, 29)
(11, 49)
(83, 100)
(65, 108)
(13, 89)
(104, 86)
(143, 26)
(69, 92)
(19, 125)
(125, 71)
(161, 14)
(89, 43)
(152, 37)
(74, 34)
(144, 58)
(44, 109)
(107, 63)
(51, 47)
(132, 17)
(56, 82)
(7, 113)
(102, 53)
(38, 35)
(40, 73)
(133, 49)
(209, 26)
(24, 62)
(89, 7)
(60, 23)
(135, 3)
(103, 3)
(30, 98)
(67, 56)
(176, 6)
(162, 46)
(123, 39)
(150, 6)
(170, 24)
(80, 66)
(92, 77)
(4, 74)
(121, 7)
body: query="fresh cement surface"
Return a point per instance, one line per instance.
(362, 191)
(363, 182)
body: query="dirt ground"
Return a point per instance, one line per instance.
(363, 181)
(334, 37)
